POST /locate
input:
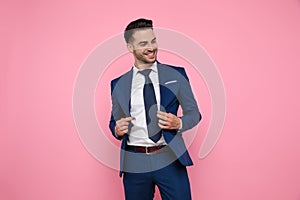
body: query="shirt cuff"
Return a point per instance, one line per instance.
(180, 127)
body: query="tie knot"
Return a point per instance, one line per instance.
(146, 72)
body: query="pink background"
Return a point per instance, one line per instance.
(255, 45)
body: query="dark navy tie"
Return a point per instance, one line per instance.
(150, 103)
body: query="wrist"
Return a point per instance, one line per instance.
(180, 123)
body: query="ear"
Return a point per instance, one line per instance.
(130, 47)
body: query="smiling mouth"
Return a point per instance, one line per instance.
(150, 54)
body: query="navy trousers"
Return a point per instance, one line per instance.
(143, 171)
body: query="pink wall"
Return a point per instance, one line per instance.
(255, 45)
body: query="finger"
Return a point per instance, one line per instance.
(171, 116)
(163, 126)
(119, 128)
(161, 112)
(123, 123)
(161, 116)
(168, 119)
(122, 128)
(118, 131)
(162, 122)
(128, 119)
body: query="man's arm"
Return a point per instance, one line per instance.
(115, 112)
(118, 123)
(191, 115)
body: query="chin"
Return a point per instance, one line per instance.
(151, 61)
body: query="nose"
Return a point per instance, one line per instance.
(151, 46)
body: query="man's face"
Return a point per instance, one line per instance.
(143, 46)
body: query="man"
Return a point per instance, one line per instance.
(145, 102)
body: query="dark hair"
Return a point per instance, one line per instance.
(134, 25)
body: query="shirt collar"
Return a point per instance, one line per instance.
(153, 68)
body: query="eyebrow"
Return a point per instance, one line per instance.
(141, 42)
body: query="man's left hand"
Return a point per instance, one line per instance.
(168, 120)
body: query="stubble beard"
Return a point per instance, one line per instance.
(141, 57)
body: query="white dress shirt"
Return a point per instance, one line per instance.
(138, 135)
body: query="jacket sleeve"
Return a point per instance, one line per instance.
(191, 114)
(115, 111)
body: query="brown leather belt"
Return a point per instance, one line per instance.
(146, 150)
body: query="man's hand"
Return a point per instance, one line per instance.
(122, 125)
(168, 120)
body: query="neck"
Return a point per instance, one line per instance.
(143, 66)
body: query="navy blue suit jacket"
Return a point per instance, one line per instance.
(175, 90)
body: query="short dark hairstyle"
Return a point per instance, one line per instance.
(134, 25)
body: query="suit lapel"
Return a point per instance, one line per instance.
(124, 92)
(166, 94)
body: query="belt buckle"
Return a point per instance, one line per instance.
(147, 153)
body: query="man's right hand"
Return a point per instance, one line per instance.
(122, 125)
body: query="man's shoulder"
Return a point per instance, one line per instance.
(163, 65)
(171, 69)
(126, 74)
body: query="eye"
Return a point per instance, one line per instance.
(142, 43)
